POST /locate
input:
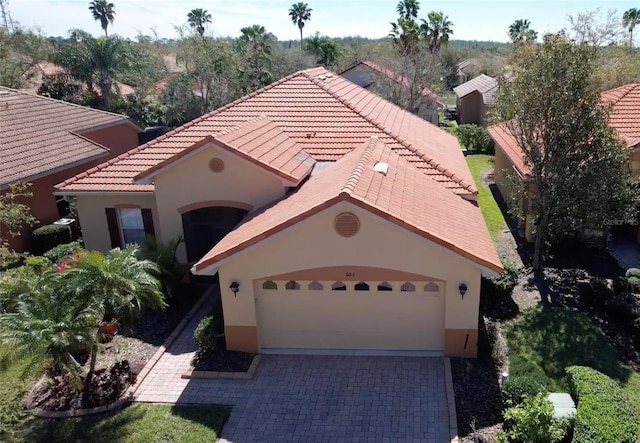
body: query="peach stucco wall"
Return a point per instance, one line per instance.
(118, 138)
(192, 181)
(313, 243)
(471, 109)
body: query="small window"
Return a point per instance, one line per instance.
(385, 286)
(270, 285)
(338, 286)
(315, 286)
(361, 286)
(131, 226)
(292, 285)
(431, 287)
(408, 287)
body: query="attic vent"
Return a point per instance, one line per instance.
(381, 167)
(347, 224)
(216, 165)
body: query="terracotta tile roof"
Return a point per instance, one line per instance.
(39, 135)
(505, 139)
(258, 140)
(485, 85)
(403, 195)
(400, 78)
(325, 114)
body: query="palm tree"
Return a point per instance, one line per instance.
(300, 13)
(257, 37)
(326, 50)
(405, 34)
(255, 46)
(520, 31)
(630, 19)
(107, 57)
(103, 11)
(198, 19)
(408, 9)
(436, 30)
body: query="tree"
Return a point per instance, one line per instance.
(198, 19)
(630, 19)
(408, 9)
(520, 31)
(103, 11)
(406, 34)
(14, 215)
(580, 170)
(324, 49)
(254, 46)
(595, 28)
(300, 13)
(436, 30)
(108, 58)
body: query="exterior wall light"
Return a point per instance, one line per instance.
(463, 289)
(235, 287)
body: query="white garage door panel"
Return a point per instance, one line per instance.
(350, 320)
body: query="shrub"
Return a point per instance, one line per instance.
(205, 335)
(520, 387)
(48, 237)
(533, 422)
(475, 138)
(604, 412)
(61, 252)
(633, 279)
(623, 308)
(498, 343)
(595, 292)
(164, 255)
(501, 287)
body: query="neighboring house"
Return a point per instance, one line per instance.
(45, 141)
(466, 69)
(366, 74)
(511, 169)
(475, 98)
(332, 218)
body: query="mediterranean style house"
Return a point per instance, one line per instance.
(475, 98)
(510, 163)
(332, 218)
(45, 141)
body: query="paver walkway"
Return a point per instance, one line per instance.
(295, 398)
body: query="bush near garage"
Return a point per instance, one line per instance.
(533, 422)
(475, 138)
(518, 388)
(61, 252)
(48, 237)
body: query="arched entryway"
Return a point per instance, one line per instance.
(204, 227)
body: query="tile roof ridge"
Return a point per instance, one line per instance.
(242, 125)
(469, 187)
(629, 87)
(87, 108)
(90, 141)
(356, 173)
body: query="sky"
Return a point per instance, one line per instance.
(472, 19)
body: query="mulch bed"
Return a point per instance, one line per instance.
(223, 361)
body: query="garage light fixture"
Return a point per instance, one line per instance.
(235, 287)
(463, 289)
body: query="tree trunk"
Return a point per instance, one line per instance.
(92, 369)
(631, 39)
(301, 39)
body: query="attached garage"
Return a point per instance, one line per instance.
(393, 315)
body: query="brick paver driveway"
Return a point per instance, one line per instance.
(295, 398)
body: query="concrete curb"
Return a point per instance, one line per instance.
(167, 343)
(193, 374)
(451, 401)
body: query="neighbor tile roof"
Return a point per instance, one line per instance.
(427, 92)
(39, 135)
(624, 118)
(403, 195)
(485, 85)
(327, 115)
(258, 140)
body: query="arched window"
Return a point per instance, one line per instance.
(431, 287)
(408, 287)
(269, 284)
(361, 286)
(385, 286)
(338, 286)
(294, 285)
(315, 286)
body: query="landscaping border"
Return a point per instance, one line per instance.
(451, 402)
(129, 395)
(248, 375)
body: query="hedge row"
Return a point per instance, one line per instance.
(604, 413)
(48, 237)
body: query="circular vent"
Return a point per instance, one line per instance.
(216, 165)
(347, 224)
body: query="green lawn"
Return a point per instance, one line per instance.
(542, 342)
(480, 165)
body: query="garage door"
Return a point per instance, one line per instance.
(351, 315)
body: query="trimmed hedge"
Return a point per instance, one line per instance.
(475, 138)
(604, 412)
(518, 388)
(62, 252)
(205, 335)
(48, 237)
(501, 287)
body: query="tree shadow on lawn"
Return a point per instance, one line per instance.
(543, 342)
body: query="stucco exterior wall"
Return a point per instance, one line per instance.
(91, 211)
(471, 109)
(313, 243)
(118, 138)
(190, 184)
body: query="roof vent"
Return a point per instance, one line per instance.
(347, 224)
(381, 167)
(322, 77)
(4, 92)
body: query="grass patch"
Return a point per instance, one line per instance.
(480, 165)
(137, 424)
(543, 342)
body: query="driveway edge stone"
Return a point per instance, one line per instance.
(451, 401)
(248, 375)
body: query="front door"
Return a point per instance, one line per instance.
(205, 227)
